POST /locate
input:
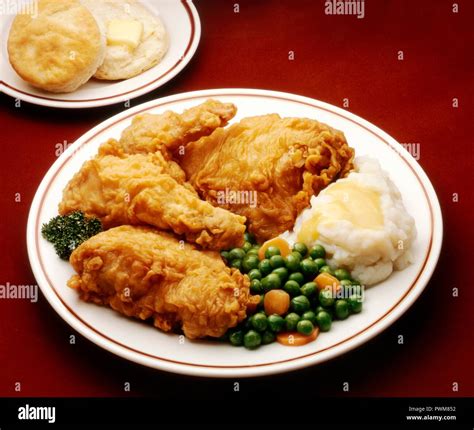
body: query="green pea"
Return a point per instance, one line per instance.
(301, 248)
(277, 261)
(308, 289)
(292, 263)
(320, 262)
(236, 338)
(296, 255)
(250, 262)
(254, 274)
(297, 277)
(300, 304)
(252, 339)
(262, 299)
(282, 272)
(247, 246)
(236, 254)
(346, 282)
(326, 297)
(309, 268)
(292, 288)
(225, 255)
(272, 251)
(323, 309)
(276, 323)
(253, 251)
(265, 267)
(342, 274)
(259, 321)
(256, 286)
(324, 320)
(291, 321)
(268, 337)
(310, 316)
(271, 282)
(326, 269)
(355, 303)
(317, 251)
(341, 309)
(305, 327)
(237, 264)
(249, 237)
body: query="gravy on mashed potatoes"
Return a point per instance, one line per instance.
(362, 223)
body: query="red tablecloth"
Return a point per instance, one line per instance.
(335, 57)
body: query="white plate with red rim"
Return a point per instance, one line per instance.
(182, 23)
(141, 343)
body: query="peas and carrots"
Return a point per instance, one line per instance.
(300, 294)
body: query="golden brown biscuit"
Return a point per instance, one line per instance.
(60, 49)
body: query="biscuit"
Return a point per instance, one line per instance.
(58, 50)
(121, 62)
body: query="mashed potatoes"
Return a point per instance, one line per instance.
(361, 222)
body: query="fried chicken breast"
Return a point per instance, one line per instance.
(147, 274)
(282, 162)
(146, 189)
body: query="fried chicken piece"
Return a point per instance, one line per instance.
(280, 162)
(146, 189)
(168, 131)
(143, 273)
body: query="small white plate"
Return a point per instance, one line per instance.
(144, 344)
(180, 19)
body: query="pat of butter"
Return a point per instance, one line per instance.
(124, 32)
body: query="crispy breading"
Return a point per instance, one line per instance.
(284, 161)
(145, 189)
(143, 273)
(169, 131)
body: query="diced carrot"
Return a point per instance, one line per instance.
(325, 280)
(293, 338)
(278, 242)
(252, 304)
(276, 302)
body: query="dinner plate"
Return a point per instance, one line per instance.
(141, 343)
(182, 23)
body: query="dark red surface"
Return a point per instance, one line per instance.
(336, 57)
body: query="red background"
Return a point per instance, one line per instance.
(336, 57)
